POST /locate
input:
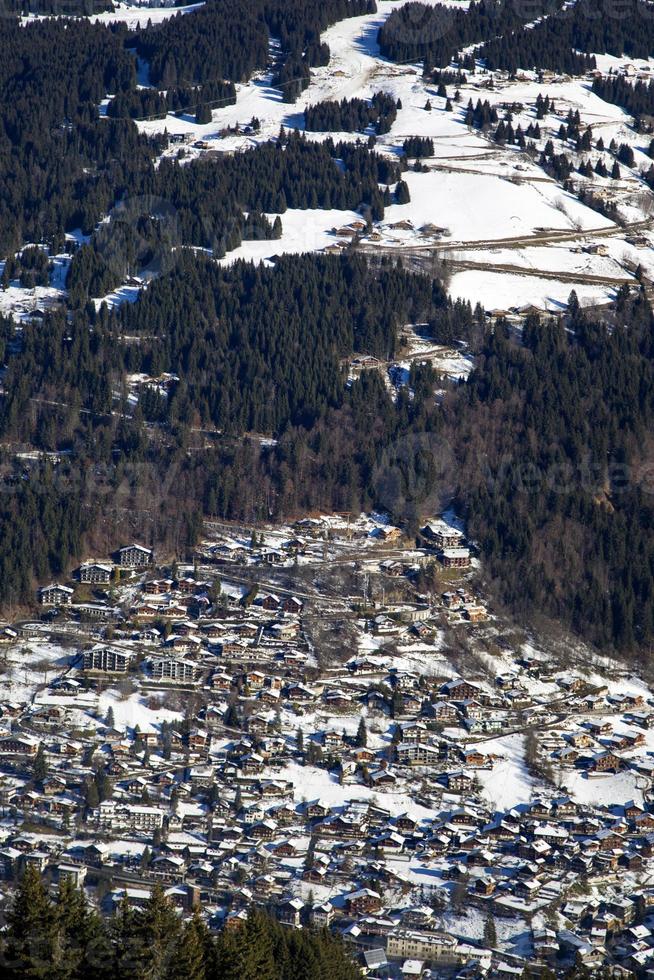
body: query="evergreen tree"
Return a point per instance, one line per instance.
(158, 930)
(490, 931)
(33, 943)
(191, 958)
(40, 770)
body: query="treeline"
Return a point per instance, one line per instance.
(57, 8)
(555, 436)
(418, 146)
(148, 103)
(435, 34)
(31, 266)
(566, 41)
(636, 98)
(63, 937)
(352, 115)
(563, 39)
(203, 202)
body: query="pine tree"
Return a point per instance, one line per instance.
(361, 739)
(125, 939)
(402, 195)
(157, 929)
(33, 947)
(490, 931)
(86, 947)
(189, 959)
(40, 765)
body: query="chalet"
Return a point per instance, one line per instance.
(95, 572)
(56, 595)
(158, 586)
(292, 605)
(459, 782)
(443, 712)
(382, 777)
(298, 692)
(264, 830)
(455, 558)
(460, 689)
(412, 731)
(18, 745)
(317, 810)
(363, 902)
(442, 535)
(406, 823)
(134, 556)
(475, 759)
(606, 762)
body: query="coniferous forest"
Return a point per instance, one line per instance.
(563, 40)
(65, 939)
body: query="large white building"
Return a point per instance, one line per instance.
(134, 556)
(171, 669)
(110, 659)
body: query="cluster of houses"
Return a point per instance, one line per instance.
(355, 795)
(96, 572)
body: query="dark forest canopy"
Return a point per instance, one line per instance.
(637, 98)
(564, 40)
(260, 348)
(352, 115)
(61, 166)
(555, 442)
(64, 938)
(435, 34)
(148, 103)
